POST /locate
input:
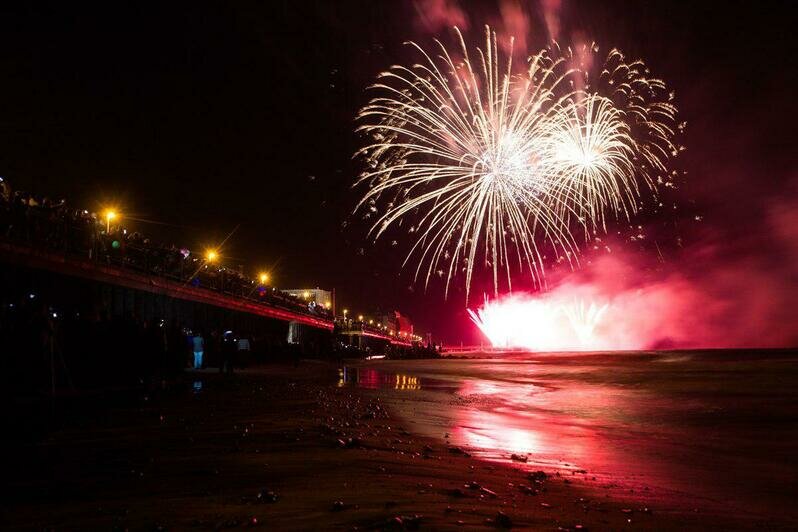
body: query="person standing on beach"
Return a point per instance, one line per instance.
(199, 347)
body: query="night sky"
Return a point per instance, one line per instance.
(211, 116)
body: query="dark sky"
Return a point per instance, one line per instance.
(211, 115)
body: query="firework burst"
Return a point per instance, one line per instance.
(544, 324)
(489, 165)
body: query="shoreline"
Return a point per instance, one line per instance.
(287, 448)
(570, 418)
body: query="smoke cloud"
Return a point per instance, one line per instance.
(436, 15)
(551, 15)
(515, 28)
(723, 291)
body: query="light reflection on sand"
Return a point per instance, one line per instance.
(714, 425)
(373, 379)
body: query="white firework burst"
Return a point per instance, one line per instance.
(500, 167)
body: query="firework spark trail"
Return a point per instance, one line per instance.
(491, 165)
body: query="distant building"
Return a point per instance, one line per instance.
(403, 324)
(324, 298)
(396, 322)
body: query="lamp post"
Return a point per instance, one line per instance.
(109, 215)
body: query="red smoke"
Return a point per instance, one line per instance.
(717, 293)
(551, 15)
(435, 15)
(515, 28)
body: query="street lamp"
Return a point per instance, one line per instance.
(110, 214)
(211, 255)
(264, 278)
(360, 317)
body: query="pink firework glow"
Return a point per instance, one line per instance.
(542, 323)
(705, 298)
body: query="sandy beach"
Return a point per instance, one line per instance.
(313, 448)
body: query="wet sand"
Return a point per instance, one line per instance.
(304, 449)
(711, 431)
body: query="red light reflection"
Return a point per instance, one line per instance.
(517, 418)
(674, 426)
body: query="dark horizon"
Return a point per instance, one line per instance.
(210, 117)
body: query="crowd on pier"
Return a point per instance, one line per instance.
(63, 228)
(58, 333)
